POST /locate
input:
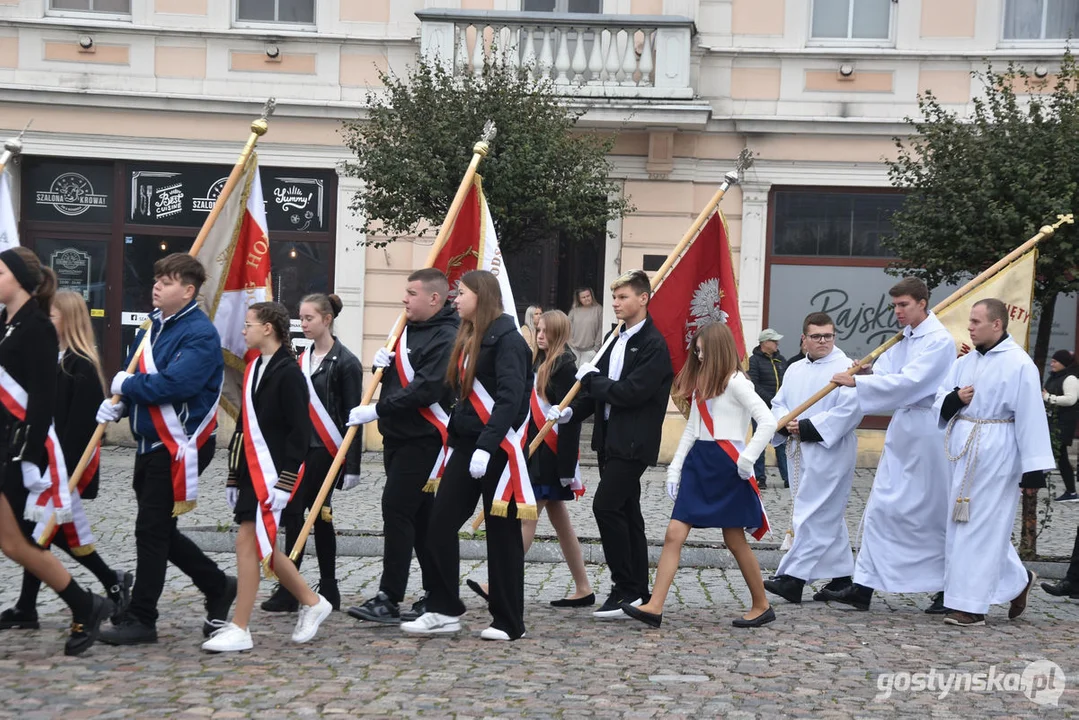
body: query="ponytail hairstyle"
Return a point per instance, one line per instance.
(556, 331)
(326, 305)
(41, 279)
(708, 377)
(277, 316)
(470, 334)
(76, 334)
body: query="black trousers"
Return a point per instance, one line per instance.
(617, 507)
(453, 506)
(406, 512)
(158, 541)
(1065, 434)
(316, 465)
(1073, 568)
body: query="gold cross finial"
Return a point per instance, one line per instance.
(1066, 219)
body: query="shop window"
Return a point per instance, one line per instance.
(563, 6)
(864, 20)
(117, 7)
(1040, 19)
(295, 12)
(298, 269)
(834, 224)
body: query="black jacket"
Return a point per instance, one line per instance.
(429, 345)
(78, 396)
(280, 402)
(28, 351)
(503, 367)
(338, 382)
(1063, 418)
(638, 399)
(543, 467)
(766, 373)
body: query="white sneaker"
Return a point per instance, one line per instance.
(230, 638)
(493, 633)
(431, 623)
(311, 616)
(611, 611)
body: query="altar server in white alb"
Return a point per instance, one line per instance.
(822, 449)
(996, 430)
(906, 516)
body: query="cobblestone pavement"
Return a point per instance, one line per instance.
(814, 661)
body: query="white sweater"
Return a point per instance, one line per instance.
(1070, 396)
(731, 413)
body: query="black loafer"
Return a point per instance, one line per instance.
(84, 634)
(857, 596)
(16, 619)
(1064, 588)
(650, 619)
(787, 587)
(586, 601)
(763, 619)
(478, 589)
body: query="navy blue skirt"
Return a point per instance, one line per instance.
(553, 492)
(711, 494)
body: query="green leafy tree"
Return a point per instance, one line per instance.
(543, 176)
(978, 186)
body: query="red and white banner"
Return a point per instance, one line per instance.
(733, 453)
(539, 408)
(699, 291)
(433, 413)
(513, 484)
(236, 256)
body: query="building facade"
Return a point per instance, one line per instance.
(139, 108)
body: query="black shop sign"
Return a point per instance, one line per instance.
(60, 191)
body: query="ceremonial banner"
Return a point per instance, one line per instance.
(9, 230)
(473, 245)
(236, 256)
(1014, 285)
(699, 291)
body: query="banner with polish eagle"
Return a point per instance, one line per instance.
(700, 290)
(236, 255)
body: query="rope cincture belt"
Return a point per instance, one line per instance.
(961, 511)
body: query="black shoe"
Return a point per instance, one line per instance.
(855, 595)
(418, 608)
(937, 608)
(120, 594)
(763, 619)
(280, 601)
(834, 585)
(478, 589)
(650, 619)
(129, 631)
(379, 609)
(328, 589)
(762, 484)
(1067, 497)
(217, 609)
(85, 633)
(787, 587)
(1064, 588)
(586, 601)
(16, 619)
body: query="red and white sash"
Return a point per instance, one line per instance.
(80, 538)
(433, 413)
(321, 421)
(514, 483)
(539, 408)
(732, 452)
(263, 472)
(57, 498)
(184, 450)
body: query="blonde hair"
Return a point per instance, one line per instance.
(710, 377)
(76, 333)
(556, 331)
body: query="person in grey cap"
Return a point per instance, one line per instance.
(766, 366)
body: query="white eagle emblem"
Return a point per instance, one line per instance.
(704, 309)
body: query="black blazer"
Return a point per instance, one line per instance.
(503, 366)
(338, 382)
(28, 351)
(543, 467)
(280, 402)
(78, 396)
(638, 399)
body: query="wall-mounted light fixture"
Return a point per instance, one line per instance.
(292, 252)
(846, 70)
(272, 51)
(164, 246)
(86, 43)
(1041, 71)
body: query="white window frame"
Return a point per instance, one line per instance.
(1029, 42)
(96, 14)
(849, 41)
(274, 24)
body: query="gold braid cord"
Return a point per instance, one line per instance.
(961, 511)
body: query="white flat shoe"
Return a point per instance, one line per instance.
(493, 633)
(230, 638)
(431, 623)
(311, 616)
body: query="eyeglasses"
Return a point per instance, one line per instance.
(822, 337)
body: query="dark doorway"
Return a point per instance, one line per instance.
(547, 273)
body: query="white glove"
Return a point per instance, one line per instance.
(558, 415)
(586, 369)
(107, 412)
(477, 466)
(118, 382)
(362, 414)
(383, 358)
(745, 467)
(232, 494)
(566, 482)
(278, 500)
(672, 489)
(32, 478)
(349, 481)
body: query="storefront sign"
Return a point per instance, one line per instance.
(68, 192)
(72, 268)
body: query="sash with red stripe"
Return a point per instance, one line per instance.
(539, 408)
(732, 452)
(433, 413)
(321, 421)
(40, 507)
(183, 450)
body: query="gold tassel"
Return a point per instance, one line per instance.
(83, 550)
(499, 508)
(526, 512)
(183, 506)
(431, 486)
(326, 514)
(961, 511)
(267, 571)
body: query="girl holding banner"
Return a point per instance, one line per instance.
(489, 369)
(265, 467)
